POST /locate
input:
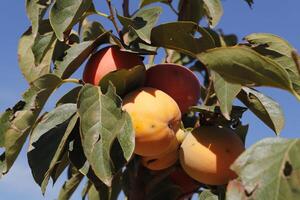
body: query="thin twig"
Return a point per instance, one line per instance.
(296, 60)
(125, 7)
(208, 90)
(112, 18)
(172, 8)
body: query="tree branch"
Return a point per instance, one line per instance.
(172, 8)
(113, 19)
(125, 7)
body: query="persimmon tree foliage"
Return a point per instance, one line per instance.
(151, 129)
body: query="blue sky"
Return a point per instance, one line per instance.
(271, 16)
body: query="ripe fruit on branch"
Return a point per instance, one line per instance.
(177, 81)
(107, 60)
(155, 117)
(207, 153)
(184, 181)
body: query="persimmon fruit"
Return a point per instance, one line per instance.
(106, 60)
(177, 81)
(207, 153)
(156, 118)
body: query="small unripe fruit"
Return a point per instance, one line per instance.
(207, 153)
(177, 81)
(155, 117)
(107, 60)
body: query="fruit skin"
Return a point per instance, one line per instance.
(159, 163)
(155, 117)
(184, 181)
(177, 81)
(207, 153)
(107, 60)
(165, 160)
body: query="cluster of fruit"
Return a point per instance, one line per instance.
(156, 108)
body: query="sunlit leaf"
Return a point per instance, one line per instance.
(124, 80)
(77, 54)
(66, 13)
(226, 93)
(142, 22)
(270, 169)
(35, 52)
(147, 2)
(244, 66)
(213, 10)
(48, 140)
(178, 36)
(91, 30)
(102, 122)
(70, 185)
(22, 117)
(265, 108)
(69, 97)
(36, 9)
(207, 195)
(272, 42)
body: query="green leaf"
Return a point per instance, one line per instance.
(265, 108)
(124, 80)
(279, 50)
(207, 195)
(242, 131)
(244, 66)
(142, 22)
(93, 194)
(35, 52)
(101, 122)
(43, 42)
(235, 191)
(190, 10)
(214, 11)
(64, 14)
(77, 54)
(226, 93)
(36, 9)
(48, 140)
(91, 30)
(179, 36)
(70, 185)
(22, 118)
(85, 190)
(69, 97)
(270, 169)
(271, 42)
(147, 2)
